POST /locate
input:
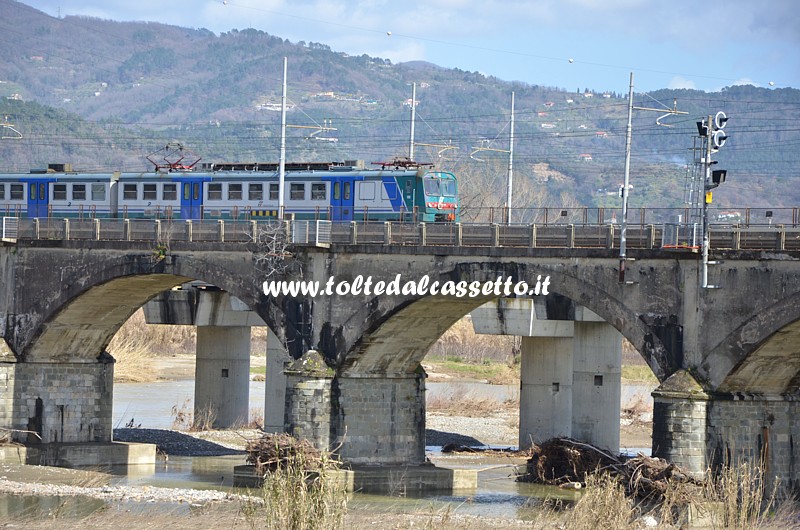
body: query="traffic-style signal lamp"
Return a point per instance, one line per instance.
(718, 176)
(718, 136)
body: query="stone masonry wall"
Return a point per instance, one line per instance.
(679, 432)
(63, 402)
(381, 419)
(757, 428)
(308, 409)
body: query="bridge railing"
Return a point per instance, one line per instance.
(678, 236)
(640, 216)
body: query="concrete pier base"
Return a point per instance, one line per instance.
(80, 454)
(222, 376)
(386, 480)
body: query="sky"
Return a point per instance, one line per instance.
(569, 44)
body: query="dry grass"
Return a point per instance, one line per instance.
(459, 402)
(137, 343)
(462, 342)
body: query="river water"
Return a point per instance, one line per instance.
(150, 405)
(153, 405)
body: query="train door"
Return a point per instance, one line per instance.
(38, 197)
(342, 199)
(192, 198)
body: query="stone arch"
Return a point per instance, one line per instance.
(95, 297)
(761, 356)
(396, 338)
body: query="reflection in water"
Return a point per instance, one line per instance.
(39, 507)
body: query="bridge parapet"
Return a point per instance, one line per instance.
(556, 235)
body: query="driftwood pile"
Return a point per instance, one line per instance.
(565, 462)
(279, 451)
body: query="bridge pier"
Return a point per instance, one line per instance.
(222, 366)
(570, 374)
(756, 428)
(57, 402)
(545, 391)
(381, 420)
(222, 376)
(596, 381)
(278, 361)
(696, 429)
(369, 419)
(680, 422)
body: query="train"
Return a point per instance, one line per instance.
(342, 191)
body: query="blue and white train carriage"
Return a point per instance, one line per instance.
(234, 191)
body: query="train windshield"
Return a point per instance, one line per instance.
(448, 187)
(432, 186)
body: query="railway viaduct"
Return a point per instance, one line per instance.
(728, 359)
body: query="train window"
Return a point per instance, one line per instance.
(130, 192)
(170, 192)
(215, 191)
(98, 192)
(255, 192)
(297, 192)
(347, 191)
(32, 192)
(273, 192)
(234, 192)
(366, 191)
(17, 192)
(59, 192)
(448, 187)
(318, 191)
(42, 191)
(149, 192)
(337, 191)
(431, 186)
(2, 192)
(187, 191)
(196, 191)
(79, 192)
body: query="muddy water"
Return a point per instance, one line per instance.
(150, 405)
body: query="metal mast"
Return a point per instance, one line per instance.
(624, 228)
(413, 119)
(510, 163)
(282, 163)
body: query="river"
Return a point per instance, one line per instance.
(150, 405)
(153, 405)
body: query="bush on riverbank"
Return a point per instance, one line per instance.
(300, 491)
(648, 491)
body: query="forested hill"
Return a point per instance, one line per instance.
(100, 93)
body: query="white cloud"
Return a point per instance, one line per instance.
(744, 81)
(679, 82)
